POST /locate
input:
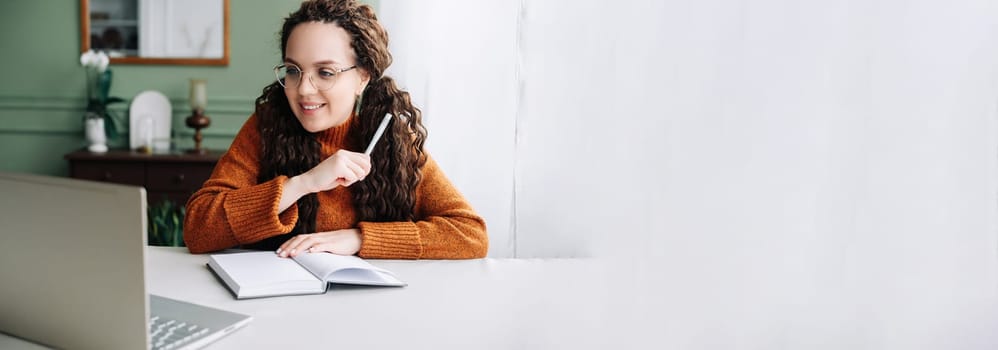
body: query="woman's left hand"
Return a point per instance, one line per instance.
(342, 242)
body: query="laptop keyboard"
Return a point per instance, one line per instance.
(167, 334)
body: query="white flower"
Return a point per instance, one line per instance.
(102, 61)
(87, 58)
(96, 60)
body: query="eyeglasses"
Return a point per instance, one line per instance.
(289, 75)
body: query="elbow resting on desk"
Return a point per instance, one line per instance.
(437, 237)
(477, 246)
(196, 246)
(465, 238)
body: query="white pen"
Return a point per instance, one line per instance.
(377, 134)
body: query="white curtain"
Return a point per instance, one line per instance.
(774, 174)
(457, 59)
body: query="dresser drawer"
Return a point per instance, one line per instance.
(173, 175)
(177, 177)
(116, 172)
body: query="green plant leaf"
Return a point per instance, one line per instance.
(110, 127)
(166, 224)
(103, 85)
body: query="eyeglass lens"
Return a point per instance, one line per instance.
(291, 76)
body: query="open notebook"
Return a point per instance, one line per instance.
(264, 274)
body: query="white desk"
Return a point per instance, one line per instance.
(469, 304)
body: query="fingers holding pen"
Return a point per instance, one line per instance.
(358, 166)
(355, 172)
(343, 168)
(363, 163)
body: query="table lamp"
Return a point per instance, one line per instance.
(198, 120)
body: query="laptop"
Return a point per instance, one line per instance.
(72, 271)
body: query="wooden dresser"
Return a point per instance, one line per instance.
(166, 176)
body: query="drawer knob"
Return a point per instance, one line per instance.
(179, 178)
(107, 176)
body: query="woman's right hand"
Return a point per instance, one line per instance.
(343, 168)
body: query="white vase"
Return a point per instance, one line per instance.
(95, 135)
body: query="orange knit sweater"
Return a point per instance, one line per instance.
(232, 209)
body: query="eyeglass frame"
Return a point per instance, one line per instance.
(336, 74)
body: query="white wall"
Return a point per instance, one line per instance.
(769, 174)
(828, 176)
(461, 72)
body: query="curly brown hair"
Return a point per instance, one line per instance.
(388, 192)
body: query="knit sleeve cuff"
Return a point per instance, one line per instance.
(252, 211)
(390, 240)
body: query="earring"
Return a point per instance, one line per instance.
(356, 104)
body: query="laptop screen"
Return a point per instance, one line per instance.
(72, 262)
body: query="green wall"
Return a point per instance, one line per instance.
(43, 86)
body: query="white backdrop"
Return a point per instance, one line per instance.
(458, 60)
(769, 174)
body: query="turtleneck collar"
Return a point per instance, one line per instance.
(335, 138)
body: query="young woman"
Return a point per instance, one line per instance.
(294, 178)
